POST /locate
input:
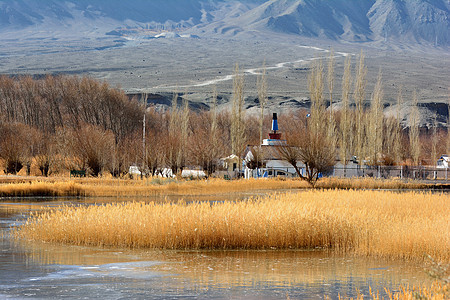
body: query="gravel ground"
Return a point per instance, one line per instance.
(196, 65)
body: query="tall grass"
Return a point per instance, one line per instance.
(94, 187)
(129, 188)
(406, 225)
(39, 188)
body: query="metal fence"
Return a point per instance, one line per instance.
(402, 172)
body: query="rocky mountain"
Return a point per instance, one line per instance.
(96, 18)
(395, 21)
(417, 21)
(15, 14)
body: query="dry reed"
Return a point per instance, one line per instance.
(406, 225)
(372, 183)
(39, 188)
(99, 187)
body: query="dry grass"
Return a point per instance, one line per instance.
(91, 187)
(39, 188)
(406, 225)
(371, 183)
(94, 187)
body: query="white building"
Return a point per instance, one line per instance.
(442, 162)
(269, 163)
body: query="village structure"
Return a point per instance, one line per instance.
(271, 163)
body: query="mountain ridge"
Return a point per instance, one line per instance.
(380, 21)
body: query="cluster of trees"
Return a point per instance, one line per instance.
(363, 133)
(59, 123)
(65, 120)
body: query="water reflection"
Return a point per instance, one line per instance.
(267, 273)
(38, 270)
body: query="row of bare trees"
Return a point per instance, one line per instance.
(60, 123)
(362, 133)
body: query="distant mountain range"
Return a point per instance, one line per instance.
(424, 22)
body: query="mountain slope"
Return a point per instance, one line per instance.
(20, 14)
(333, 19)
(395, 21)
(413, 20)
(418, 21)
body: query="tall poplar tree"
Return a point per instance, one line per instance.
(414, 131)
(262, 98)
(398, 157)
(359, 96)
(375, 130)
(345, 125)
(237, 114)
(331, 128)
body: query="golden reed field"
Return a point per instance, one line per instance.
(407, 225)
(104, 187)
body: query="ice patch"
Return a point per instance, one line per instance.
(129, 270)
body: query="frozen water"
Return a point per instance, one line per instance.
(40, 271)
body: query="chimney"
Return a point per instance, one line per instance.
(274, 135)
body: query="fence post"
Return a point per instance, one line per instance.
(401, 172)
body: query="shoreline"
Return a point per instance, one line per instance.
(32, 186)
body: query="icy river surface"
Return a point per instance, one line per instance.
(43, 271)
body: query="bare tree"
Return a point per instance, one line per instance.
(51, 95)
(184, 133)
(318, 116)
(375, 130)
(262, 97)
(448, 125)
(332, 135)
(359, 96)
(202, 147)
(237, 114)
(9, 99)
(330, 80)
(434, 140)
(88, 148)
(154, 156)
(256, 159)
(172, 144)
(45, 153)
(345, 115)
(311, 149)
(414, 131)
(32, 138)
(214, 125)
(13, 147)
(398, 157)
(125, 153)
(144, 135)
